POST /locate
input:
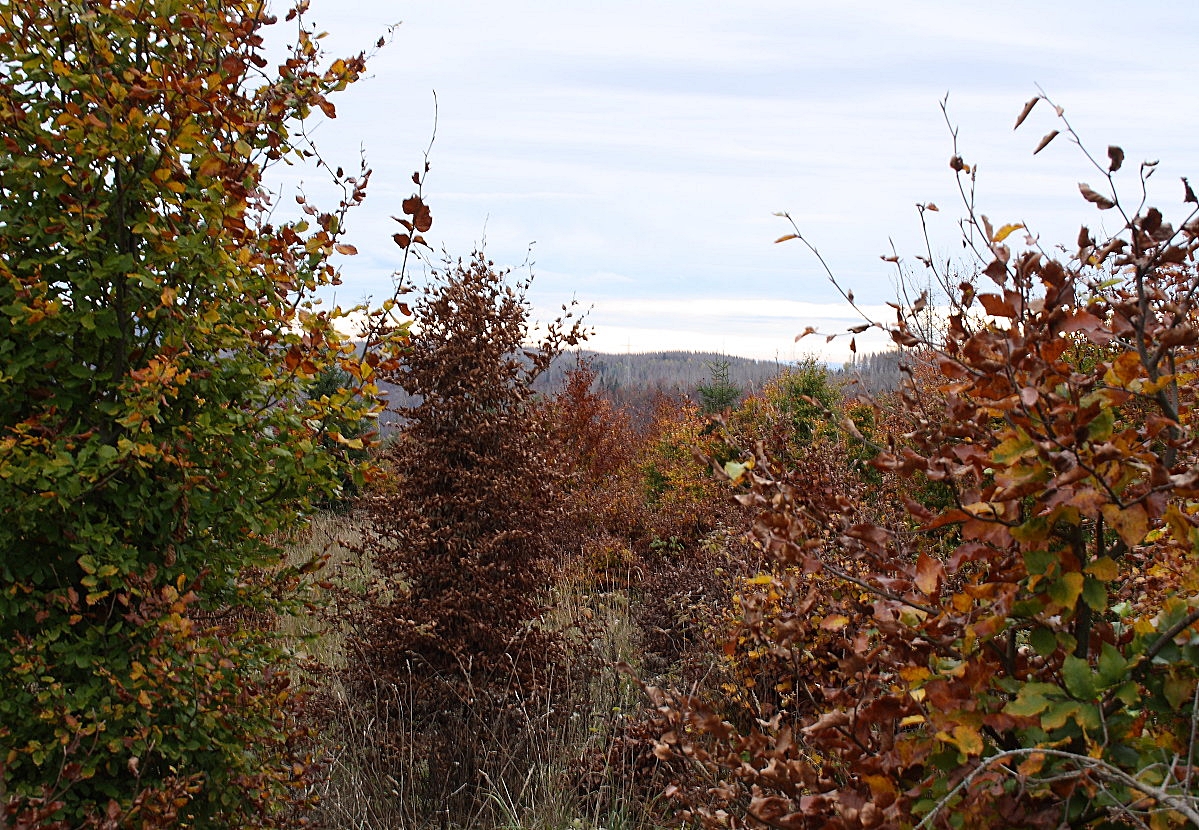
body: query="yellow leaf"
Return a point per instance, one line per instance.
(967, 739)
(1006, 231)
(1066, 590)
(760, 579)
(1104, 569)
(143, 698)
(1180, 528)
(1132, 523)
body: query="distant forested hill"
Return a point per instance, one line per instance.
(636, 378)
(669, 371)
(684, 371)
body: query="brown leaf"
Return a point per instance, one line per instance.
(402, 239)
(786, 237)
(1117, 156)
(874, 536)
(928, 574)
(423, 219)
(1050, 136)
(1098, 199)
(1024, 112)
(996, 306)
(342, 248)
(411, 205)
(1189, 195)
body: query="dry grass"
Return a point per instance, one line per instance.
(545, 766)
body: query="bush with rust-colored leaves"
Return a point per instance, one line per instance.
(1023, 649)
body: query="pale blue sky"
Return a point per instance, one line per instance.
(643, 146)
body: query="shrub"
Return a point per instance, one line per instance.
(462, 537)
(1041, 672)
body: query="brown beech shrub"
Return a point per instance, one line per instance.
(461, 538)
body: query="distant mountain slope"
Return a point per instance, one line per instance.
(625, 377)
(671, 371)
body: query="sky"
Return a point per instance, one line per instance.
(633, 154)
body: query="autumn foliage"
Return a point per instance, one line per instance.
(157, 331)
(1010, 642)
(967, 602)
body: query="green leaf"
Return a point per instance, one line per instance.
(1102, 425)
(1039, 561)
(1178, 690)
(1094, 594)
(1078, 677)
(1112, 665)
(1032, 699)
(1043, 641)
(1066, 590)
(1129, 693)
(1059, 713)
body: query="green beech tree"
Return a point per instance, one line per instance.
(156, 333)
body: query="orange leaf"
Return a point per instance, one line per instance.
(1126, 368)
(834, 622)
(928, 574)
(996, 306)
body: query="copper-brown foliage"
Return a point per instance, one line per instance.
(461, 537)
(1009, 641)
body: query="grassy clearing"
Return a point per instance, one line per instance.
(542, 770)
